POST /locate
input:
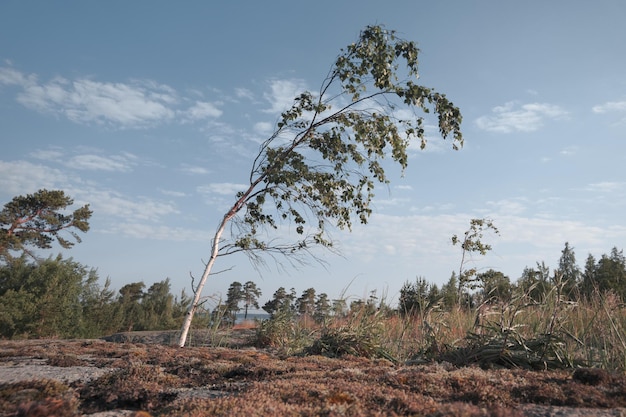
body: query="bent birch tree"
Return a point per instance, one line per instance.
(319, 167)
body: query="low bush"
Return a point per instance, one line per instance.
(553, 333)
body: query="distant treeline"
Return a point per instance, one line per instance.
(62, 298)
(58, 297)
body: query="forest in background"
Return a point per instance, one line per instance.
(57, 297)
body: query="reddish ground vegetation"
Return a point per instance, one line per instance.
(200, 381)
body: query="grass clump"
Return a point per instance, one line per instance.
(286, 332)
(360, 334)
(553, 332)
(501, 337)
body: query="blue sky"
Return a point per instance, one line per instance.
(152, 112)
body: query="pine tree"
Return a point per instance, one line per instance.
(589, 281)
(305, 304)
(570, 272)
(36, 220)
(234, 296)
(251, 296)
(323, 308)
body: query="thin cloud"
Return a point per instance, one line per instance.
(543, 233)
(123, 162)
(512, 117)
(222, 188)
(263, 128)
(610, 106)
(605, 186)
(100, 163)
(194, 170)
(157, 232)
(22, 177)
(105, 202)
(244, 93)
(202, 110)
(507, 206)
(382, 203)
(173, 193)
(10, 76)
(569, 150)
(434, 142)
(425, 240)
(410, 236)
(52, 155)
(282, 94)
(132, 105)
(86, 101)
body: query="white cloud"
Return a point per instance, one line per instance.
(605, 186)
(439, 208)
(203, 110)
(22, 177)
(222, 188)
(507, 207)
(408, 235)
(86, 101)
(570, 150)
(263, 128)
(105, 202)
(158, 232)
(610, 106)
(425, 242)
(47, 154)
(513, 117)
(100, 163)
(194, 170)
(131, 105)
(244, 93)
(9, 76)
(547, 232)
(173, 193)
(282, 94)
(383, 203)
(434, 142)
(122, 162)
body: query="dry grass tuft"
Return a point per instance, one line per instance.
(138, 386)
(38, 398)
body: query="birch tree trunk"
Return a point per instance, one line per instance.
(184, 331)
(198, 290)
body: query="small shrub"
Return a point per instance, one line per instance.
(66, 361)
(138, 386)
(57, 407)
(53, 397)
(500, 336)
(284, 332)
(362, 334)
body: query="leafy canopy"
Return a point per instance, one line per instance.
(37, 219)
(321, 164)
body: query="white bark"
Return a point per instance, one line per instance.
(198, 290)
(184, 331)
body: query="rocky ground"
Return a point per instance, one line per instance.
(142, 374)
